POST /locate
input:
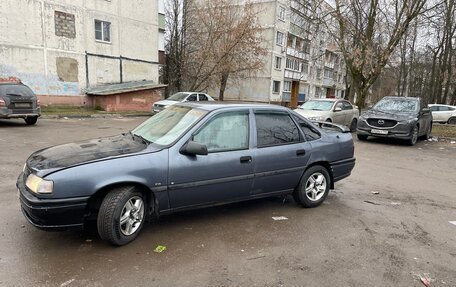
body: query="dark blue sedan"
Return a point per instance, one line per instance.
(188, 156)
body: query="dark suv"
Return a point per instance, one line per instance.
(18, 101)
(398, 117)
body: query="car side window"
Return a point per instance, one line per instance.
(451, 109)
(192, 98)
(310, 132)
(202, 97)
(225, 132)
(444, 109)
(275, 129)
(434, 108)
(347, 106)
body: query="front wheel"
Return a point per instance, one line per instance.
(452, 121)
(121, 216)
(353, 125)
(313, 187)
(414, 137)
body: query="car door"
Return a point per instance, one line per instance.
(348, 112)
(339, 115)
(281, 153)
(224, 174)
(436, 115)
(424, 118)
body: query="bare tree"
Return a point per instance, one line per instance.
(368, 32)
(226, 43)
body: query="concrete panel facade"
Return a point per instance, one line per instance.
(44, 42)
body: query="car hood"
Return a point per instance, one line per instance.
(166, 102)
(397, 116)
(58, 157)
(311, 113)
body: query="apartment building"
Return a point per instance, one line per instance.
(303, 61)
(64, 48)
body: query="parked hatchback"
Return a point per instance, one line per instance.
(337, 111)
(188, 156)
(18, 101)
(443, 113)
(396, 117)
(179, 98)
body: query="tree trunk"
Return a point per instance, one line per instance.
(223, 81)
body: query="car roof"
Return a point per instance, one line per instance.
(402, 98)
(211, 106)
(326, 99)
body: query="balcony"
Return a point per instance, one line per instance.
(298, 76)
(328, 82)
(295, 53)
(330, 65)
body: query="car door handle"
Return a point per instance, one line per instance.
(300, 152)
(246, 159)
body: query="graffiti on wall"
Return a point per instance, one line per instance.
(40, 85)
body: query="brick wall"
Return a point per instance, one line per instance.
(132, 101)
(64, 25)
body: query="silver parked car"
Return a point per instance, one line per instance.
(179, 98)
(443, 114)
(338, 111)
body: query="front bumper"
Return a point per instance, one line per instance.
(401, 130)
(50, 213)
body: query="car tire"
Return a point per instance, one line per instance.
(122, 215)
(353, 125)
(313, 187)
(414, 138)
(452, 121)
(428, 133)
(31, 120)
(362, 137)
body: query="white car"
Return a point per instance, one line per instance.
(443, 114)
(179, 98)
(338, 111)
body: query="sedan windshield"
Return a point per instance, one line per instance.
(168, 125)
(178, 97)
(317, 105)
(397, 105)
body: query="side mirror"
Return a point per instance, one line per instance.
(193, 148)
(337, 109)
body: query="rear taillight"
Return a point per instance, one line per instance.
(2, 103)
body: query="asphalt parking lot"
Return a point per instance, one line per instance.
(385, 225)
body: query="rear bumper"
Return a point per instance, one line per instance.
(6, 113)
(342, 168)
(52, 214)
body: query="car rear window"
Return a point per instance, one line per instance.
(18, 90)
(275, 129)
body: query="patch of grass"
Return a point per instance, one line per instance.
(67, 110)
(448, 131)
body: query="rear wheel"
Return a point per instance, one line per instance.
(122, 215)
(31, 120)
(353, 125)
(452, 121)
(313, 187)
(414, 137)
(362, 137)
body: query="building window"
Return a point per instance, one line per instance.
(276, 87)
(103, 31)
(305, 68)
(281, 13)
(328, 74)
(287, 86)
(292, 64)
(279, 38)
(278, 63)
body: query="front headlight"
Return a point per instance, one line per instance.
(39, 185)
